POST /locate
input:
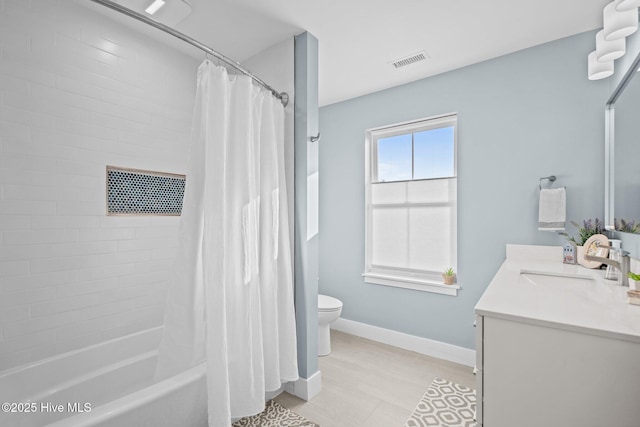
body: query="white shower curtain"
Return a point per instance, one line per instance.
(230, 299)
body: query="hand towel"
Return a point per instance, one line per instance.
(553, 209)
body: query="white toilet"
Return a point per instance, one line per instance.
(329, 310)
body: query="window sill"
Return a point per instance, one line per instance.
(415, 284)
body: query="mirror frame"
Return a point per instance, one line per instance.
(609, 150)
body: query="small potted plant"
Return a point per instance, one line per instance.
(585, 231)
(626, 226)
(449, 276)
(634, 281)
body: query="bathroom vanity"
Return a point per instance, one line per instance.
(556, 345)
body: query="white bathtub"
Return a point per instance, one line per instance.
(108, 384)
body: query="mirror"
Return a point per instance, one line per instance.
(622, 164)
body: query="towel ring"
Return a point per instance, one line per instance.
(550, 178)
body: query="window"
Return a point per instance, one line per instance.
(411, 209)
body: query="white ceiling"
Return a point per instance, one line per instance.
(359, 38)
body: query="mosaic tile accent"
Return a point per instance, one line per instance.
(140, 192)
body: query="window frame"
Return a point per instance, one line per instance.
(406, 278)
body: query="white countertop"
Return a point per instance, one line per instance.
(597, 306)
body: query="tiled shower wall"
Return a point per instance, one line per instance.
(79, 91)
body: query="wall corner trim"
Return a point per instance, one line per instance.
(305, 388)
(420, 345)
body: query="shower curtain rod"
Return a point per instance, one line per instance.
(282, 96)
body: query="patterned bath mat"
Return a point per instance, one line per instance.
(275, 415)
(445, 404)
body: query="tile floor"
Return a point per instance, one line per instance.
(365, 383)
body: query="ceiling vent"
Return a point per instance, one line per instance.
(170, 13)
(411, 59)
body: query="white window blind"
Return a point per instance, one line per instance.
(411, 221)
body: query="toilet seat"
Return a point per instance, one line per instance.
(327, 303)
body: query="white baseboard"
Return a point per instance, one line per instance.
(305, 388)
(420, 345)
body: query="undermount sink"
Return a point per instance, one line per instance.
(554, 279)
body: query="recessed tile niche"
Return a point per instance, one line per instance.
(142, 192)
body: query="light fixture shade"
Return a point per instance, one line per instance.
(622, 5)
(598, 70)
(619, 24)
(609, 50)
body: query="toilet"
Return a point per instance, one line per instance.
(329, 310)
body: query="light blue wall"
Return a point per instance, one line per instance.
(521, 116)
(306, 205)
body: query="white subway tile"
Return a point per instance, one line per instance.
(92, 277)
(107, 234)
(70, 303)
(25, 252)
(26, 118)
(13, 268)
(84, 248)
(24, 163)
(80, 168)
(13, 314)
(16, 39)
(36, 237)
(51, 95)
(159, 232)
(14, 66)
(94, 183)
(45, 222)
(32, 192)
(53, 321)
(134, 292)
(85, 129)
(12, 86)
(27, 207)
(12, 284)
(67, 263)
(36, 148)
(167, 253)
(168, 222)
(106, 271)
(31, 296)
(22, 100)
(153, 266)
(125, 221)
(82, 288)
(14, 131)
(108, 45)
(25, 342)
(126, 257)
(80, 208)
(139, 244)
(14, 222)
(11, 176)
(75, 45)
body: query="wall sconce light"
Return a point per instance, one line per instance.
(598, 70)
(618, 24)
(622, 5)
(609, 50)
(620, 19)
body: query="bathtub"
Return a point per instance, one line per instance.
(108, 384)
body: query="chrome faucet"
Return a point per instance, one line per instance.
(622, 265)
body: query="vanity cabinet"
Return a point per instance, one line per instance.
(553, 354)
(532, 375)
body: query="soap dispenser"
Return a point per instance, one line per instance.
(613, 273)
